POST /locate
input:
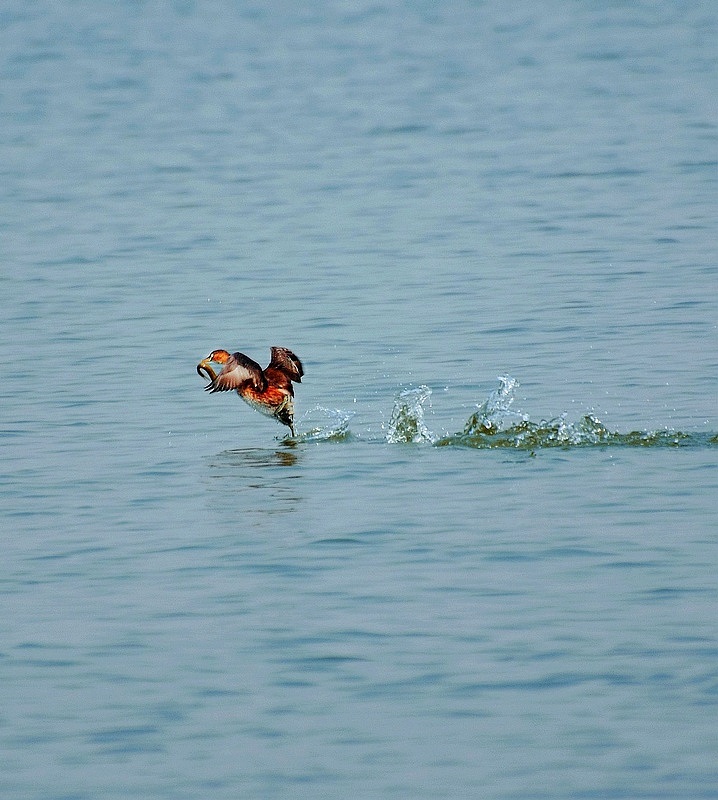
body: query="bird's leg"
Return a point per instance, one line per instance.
(285, 414)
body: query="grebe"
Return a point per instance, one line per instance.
(270, 391)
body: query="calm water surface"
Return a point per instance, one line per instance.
(480, 588)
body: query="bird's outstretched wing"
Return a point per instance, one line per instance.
(237, 373)
(285, 361)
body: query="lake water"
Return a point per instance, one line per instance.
(486, 567)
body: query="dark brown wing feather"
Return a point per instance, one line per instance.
(237, 373)
(285, 361)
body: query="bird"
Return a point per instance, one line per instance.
(268, 390)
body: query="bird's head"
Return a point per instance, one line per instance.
(218, 357)
(215, 357)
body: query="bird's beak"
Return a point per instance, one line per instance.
(205, 371)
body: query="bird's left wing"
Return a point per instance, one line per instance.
(285, 361)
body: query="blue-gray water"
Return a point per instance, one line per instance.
(418, 598)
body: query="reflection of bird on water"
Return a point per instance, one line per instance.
(269, 391)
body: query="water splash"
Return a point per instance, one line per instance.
(407, 417)
(325, 424)
(589, 431)
(493, 414)
(496, 425)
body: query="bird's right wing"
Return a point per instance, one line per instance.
(237, 373)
